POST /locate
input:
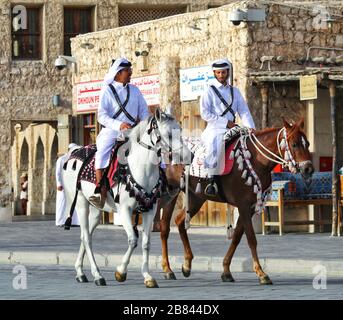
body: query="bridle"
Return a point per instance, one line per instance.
(287, 160)
(160, 143)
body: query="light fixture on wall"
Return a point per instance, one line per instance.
(195, 24)
(139, 39)
(248, 15)
(87, 45)
(145, 51)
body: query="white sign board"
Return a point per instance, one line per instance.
(150, 87)
(88, 93)
(193, 82)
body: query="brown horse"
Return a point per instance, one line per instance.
(233, 190)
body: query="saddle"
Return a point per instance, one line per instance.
(87, 156)
(198, 149)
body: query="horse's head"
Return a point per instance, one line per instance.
(296, 151)
(171, 138)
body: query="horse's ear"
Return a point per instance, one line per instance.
(301, 123)
(285, 123)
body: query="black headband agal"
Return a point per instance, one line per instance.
(220, 65)
(123, 64)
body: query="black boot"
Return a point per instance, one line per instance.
(212, 188)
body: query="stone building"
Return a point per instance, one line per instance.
(35, 98)
(268, 57)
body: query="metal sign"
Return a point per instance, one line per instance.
(150, 87)
(308, 87)
(193, 82)
(88, 93)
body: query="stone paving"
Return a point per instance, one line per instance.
(57, 282)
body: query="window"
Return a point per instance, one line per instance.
(76, 21)
(129, 15)
(26, 43)
(89, 128)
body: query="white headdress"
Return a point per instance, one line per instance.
(221, 64)
(72, 145)
(117, 65)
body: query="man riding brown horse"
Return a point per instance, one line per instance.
(260, 151)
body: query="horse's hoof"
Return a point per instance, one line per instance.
(265, 280)
(227, 277)
(100, 282)
(151, 283)
(82, 279)
(169, 276)
(120, 277)
(186, 272)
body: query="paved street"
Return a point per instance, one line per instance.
(48, 254)
(56, 282)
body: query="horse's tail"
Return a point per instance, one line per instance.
(67, 224)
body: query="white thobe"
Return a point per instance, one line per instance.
(108, 107)
(211, 109)
(61, 215)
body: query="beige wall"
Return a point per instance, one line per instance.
(27, 87)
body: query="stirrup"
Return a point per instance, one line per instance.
(211, 189)
(97, 201)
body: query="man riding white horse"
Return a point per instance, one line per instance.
(218, 107)
(121, 107)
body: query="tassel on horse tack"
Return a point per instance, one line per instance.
(255, 189)
(232, 155)
(240, 166)
(249, 181)
(132, 193)
(74, 165)
(247, 154)
(182, 182)
(127, 188)
(116, 199)
(67, 224)
(198, 187)
(245, 174)
(239, 159)
(238, 153)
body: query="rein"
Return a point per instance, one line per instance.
(146, 200)
(288, 159)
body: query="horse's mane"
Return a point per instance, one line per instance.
(266, 130)
(295, 128)
(140, 128)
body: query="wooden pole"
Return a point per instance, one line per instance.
(332, 90)
(264, 94)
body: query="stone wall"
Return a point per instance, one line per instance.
(173, 42)
(27, 87)
(289, 32)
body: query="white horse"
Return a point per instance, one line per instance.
(146, 142)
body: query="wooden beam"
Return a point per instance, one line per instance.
(264, 94)
(332, 90)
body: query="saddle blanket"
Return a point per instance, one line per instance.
(87, 156)
(197, 168)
